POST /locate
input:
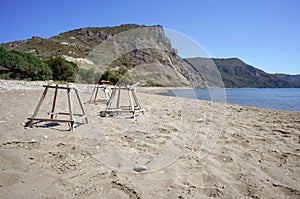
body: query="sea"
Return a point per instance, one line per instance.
(273, 98)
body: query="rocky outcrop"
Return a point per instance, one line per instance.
(149, 57)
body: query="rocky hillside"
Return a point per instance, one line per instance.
(113, 47)
(236, 73)
(75, 43)
(148, 57)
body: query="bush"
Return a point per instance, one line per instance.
(24, 65)
(117, 76)
(62, 69)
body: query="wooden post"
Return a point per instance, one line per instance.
(130, 99)
(86, 120)
(54, 101)
(135, 99)
(96, 94)
(91, 98)
(37, 109)
(131, 103)
(70, 107)
(113, 94)
(118, 99)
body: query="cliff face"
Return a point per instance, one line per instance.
(149, 58)
(144, 50)
(236, 73)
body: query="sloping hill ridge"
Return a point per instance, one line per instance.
(79, 43)
(158, 64)
(76, 43)
(236, 73)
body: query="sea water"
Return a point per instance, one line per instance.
(273, 98)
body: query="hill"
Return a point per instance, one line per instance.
(96, 49)
(236, 73)
(75, 43)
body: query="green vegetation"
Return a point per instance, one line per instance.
(62, 69)
(155, 84)
(117, 76)
(27, 66)
(24, 65)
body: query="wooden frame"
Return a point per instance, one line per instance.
(95, 93)
(134, 104)
(53, 115)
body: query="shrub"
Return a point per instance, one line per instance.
(62, 69)
(24, 65)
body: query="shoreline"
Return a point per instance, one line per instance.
(163, 91)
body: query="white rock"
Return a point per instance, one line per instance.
(33, 140)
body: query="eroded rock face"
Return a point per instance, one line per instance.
(145, 51)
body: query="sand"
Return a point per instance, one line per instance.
(180, 148)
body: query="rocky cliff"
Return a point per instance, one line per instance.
(149, 58)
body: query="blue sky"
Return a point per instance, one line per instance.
(265, 33)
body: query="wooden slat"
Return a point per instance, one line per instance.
(118, 99)
(70, 107)
(59, 87)
(37, 109)
(78, 98)
(54, 101)
(50, 120)
(81, 118)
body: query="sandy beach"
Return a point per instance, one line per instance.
(179, 148)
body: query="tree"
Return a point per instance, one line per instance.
(24, 65)
(62, 69)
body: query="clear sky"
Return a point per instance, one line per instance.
(263, 33)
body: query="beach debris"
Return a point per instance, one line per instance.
(140, 168)
(45, 136)
(108, 172)
(2, 121)
(32, 141)
(170, 189)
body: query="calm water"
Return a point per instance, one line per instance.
(274, 98)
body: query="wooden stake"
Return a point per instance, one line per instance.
(118, 99)
(54, 101)
(37, 109)
(86, 120)
(96, 94)
(70, 108)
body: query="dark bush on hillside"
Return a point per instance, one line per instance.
(62, 69)
(119, 76)
(24, 65)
